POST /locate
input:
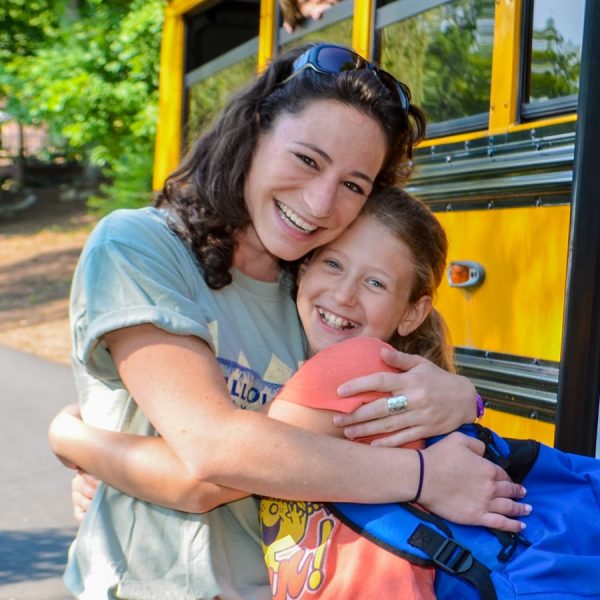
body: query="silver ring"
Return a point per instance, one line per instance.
(396, 404)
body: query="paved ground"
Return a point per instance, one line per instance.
(35, 519)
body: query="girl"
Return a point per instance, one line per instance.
(377, 280)
(180, 309)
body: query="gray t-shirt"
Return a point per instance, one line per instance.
(134, 270)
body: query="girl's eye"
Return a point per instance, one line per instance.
(353, 187)
(376, 283)
(334, 264)
(307, 160)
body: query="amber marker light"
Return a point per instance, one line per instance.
(465, 274)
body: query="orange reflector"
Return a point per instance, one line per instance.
(459, 274)
(465, 274)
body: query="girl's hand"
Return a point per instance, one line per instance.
(438, 401)
(63, 424)
(462, 486)
(83, 488)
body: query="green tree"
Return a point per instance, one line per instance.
(555, 64)
(90, 73)
(445, 56)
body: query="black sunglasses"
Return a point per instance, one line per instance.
(332, 59)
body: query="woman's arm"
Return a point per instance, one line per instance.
(179, 386)
(140, 466)
(438, 402)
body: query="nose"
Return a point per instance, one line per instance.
(344, 292)
(320, 197)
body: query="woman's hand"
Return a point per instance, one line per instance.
(83, 488)
(462, 486)
(438, 401)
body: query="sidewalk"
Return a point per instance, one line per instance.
(36, 526)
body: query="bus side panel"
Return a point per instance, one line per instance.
(519, 307)
(514, 426)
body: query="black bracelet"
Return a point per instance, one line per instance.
(421, 476)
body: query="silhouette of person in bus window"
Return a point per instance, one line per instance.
(295, 12)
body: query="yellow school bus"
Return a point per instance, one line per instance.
(499, 81)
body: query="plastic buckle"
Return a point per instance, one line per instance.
(452, 557)
(509, 545)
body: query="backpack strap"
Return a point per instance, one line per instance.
(422, 538)
(454, 559)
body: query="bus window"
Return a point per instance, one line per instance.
(551, 77)
(444, 55)
(221, 46)
(212, 32)
(207, 96)
(335, 26)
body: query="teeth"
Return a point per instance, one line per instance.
(336, 321)
(294, 219)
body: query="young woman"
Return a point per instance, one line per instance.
(180, 309)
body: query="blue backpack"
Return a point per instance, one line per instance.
(557, 557)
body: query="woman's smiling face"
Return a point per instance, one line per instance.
(309, 178)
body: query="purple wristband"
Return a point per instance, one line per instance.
(480, 406)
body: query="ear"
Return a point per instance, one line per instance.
(414, 315)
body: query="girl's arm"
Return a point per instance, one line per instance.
(140, 466)
(179, 386)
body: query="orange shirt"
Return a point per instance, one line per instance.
(309, 553)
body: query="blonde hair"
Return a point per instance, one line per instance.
(411, 221)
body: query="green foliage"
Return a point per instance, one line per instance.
(130, 186)
(445, 56)
(208, 96)
(555, 64)
(89, 71)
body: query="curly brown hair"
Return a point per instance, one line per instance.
(206, 193)
(411, 220)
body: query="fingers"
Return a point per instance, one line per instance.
(496, 521)
(400, 360)
(83, 488)
(463, 487)
(377, 382)
(504, 511)
(375, 419)
(378, 409)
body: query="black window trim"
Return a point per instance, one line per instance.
(536, 109)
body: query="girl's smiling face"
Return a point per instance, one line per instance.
(309, 178)
(359, 285)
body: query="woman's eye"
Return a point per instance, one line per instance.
(307, 160)
(353, 187)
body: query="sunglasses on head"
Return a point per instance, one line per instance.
(332, 59)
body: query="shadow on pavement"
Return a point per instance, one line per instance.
(33, 555)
